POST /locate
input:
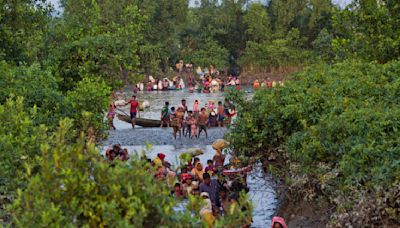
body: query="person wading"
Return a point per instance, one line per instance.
(177, 120)
(134, 110)
(165, 115)
(202, 121)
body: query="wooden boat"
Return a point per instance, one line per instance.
(140, 121)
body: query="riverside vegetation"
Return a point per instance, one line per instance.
(335, 126)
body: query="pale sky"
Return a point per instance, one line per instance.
(342, 3)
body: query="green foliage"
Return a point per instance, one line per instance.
(150, 58)
(20, 140)
(238, 214)
(258, 23)
(209, 54)
(339, 127)
(75, 187)
(278, 53)
(369, 30)
(102, 40)
(38, 87)
(165, 22)
(86, 104)
(323, 45)
(22, 29)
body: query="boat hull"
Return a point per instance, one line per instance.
(140, 121)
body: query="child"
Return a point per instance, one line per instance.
(165, 115)
(173, 112)
(221, 114)
(193, 127)
(187, 185)
(212, 120)
(177, 192)
(198, 171)
(187, 124)
(210, 105)
(210, 168)
(196, 108)
(111, 115)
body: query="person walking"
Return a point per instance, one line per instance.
(134, 110)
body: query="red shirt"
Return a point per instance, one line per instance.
(134, 106)
(269, 84)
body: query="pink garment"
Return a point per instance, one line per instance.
(193, 129)
(196, 107)
(210, 105)
(279, 220)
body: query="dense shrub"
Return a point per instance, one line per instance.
(38, 87)
(76, 187)
(20, 140)
(31, 106)
(339, 128)
(86, 104)
(278, 53)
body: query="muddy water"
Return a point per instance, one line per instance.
(261, 185)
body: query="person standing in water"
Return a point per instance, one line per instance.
(202, 121)
(165, 115)
(111, 115)
(185, 110)
(196, 109)
(256, 85)
(176, 122)
(134, 110)
(269, 83)
(183, 105)
(221, 114)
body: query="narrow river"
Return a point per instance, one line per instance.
(135, 140)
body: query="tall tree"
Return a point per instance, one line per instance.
(102, 39)
(258, 23)
(369, 29)
(161, 44)
(23, 23)
(284, 13)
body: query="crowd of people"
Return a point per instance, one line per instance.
(191, 123)
(210, 182)
(266, 84)
(217, 184)
(219, 189)
(202, 84)
(117, 153)
(203, 79)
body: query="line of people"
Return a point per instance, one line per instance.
(266, 83)
(191, 123)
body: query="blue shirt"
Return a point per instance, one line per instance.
(212, 190)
